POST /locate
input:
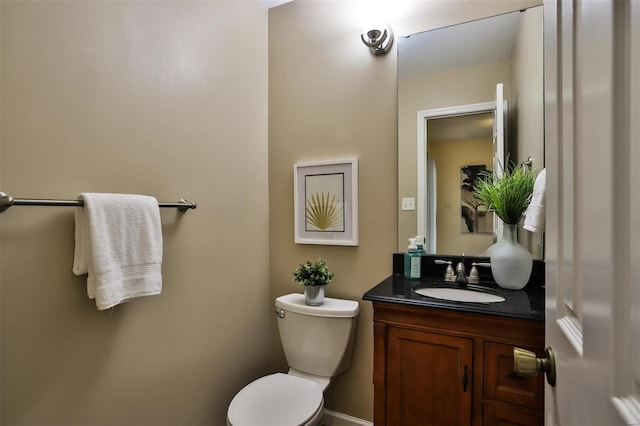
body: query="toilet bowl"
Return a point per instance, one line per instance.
(277, 399)
(318, 343)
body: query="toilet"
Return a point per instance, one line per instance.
(318, 343)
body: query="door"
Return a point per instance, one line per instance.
(592, 155)
(429, 378)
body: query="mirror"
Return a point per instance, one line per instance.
(456, 69)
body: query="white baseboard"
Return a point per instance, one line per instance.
(332, 418)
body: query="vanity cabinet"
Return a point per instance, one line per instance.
(435, 366)
(416, 360)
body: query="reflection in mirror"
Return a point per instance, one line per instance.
(431, 170)
(461, 225)
(446, 69)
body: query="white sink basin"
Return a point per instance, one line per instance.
(459, 295)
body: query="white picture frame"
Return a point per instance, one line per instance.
(325, 197)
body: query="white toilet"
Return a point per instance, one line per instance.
(318, 343)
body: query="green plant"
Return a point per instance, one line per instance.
(509, 195)
(314, 274)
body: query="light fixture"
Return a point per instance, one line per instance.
(379, 41)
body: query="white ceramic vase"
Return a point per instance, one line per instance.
(511, 263)
(314, 295)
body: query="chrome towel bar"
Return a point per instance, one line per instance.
(7, 201)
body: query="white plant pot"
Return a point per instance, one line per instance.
(511, 263)
(314, 295)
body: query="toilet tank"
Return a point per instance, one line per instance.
(317, 339)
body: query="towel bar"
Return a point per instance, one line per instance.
(7, 201)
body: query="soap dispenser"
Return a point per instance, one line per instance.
(412, 261)
(420, 243)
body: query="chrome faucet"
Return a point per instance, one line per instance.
(461, 275)
(473, 278)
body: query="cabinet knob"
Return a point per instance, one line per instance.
(525, 363)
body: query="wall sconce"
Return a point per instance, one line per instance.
(378, 41)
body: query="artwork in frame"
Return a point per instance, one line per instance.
(326, 202)
(475, 217)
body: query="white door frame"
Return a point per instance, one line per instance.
(422, 203)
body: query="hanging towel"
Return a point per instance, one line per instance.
(118, 241)
(534, 220)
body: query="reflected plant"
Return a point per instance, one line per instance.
(322, 211)
(509, 195)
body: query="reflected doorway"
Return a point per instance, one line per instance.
(459, 152)
(429, 178)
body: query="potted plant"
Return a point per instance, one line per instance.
(508, 196)
(313, 276)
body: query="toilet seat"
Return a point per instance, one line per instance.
(277, 399)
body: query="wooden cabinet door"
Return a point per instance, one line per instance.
(502, 384)
(429, 378)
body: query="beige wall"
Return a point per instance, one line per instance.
(527, 87)
(170, 99)
(330, 98)
(527, 95)
(160, 98)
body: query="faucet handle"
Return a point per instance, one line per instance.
(474, 278)
(448, 275)
(474, 270)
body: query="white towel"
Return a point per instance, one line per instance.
(535, 215)
(119, 245)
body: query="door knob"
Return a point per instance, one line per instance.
(525, 363)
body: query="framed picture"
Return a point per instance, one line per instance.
(475, 217)
(325, 197)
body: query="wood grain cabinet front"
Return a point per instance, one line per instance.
(440, 367)
(417, 360)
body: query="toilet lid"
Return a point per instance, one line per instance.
(278, 399)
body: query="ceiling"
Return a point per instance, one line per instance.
(462, 127)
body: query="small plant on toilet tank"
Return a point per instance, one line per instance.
(313, 276)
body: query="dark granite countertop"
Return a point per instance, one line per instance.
(527, 303)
